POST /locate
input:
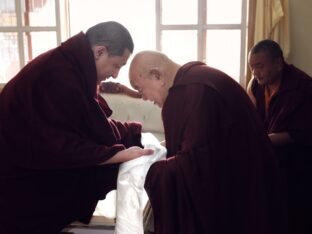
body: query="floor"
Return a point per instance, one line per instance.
(90, 231)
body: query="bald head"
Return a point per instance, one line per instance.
(149, 57)
(150, 62)
(152, 70)
(147, 60)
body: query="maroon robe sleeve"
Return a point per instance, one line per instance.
(295, 117)
(128, 133)
(62, 128)
(63, 116)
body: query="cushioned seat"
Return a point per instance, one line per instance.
(126, 108)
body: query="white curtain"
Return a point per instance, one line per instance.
(272, 22)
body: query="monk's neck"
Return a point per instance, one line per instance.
(272, 87)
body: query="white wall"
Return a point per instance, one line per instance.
(301, 34)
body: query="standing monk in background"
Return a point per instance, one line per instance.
(282, 95)
(220, 175)
(59, 150)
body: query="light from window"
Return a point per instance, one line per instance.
(182, 26)
(179, 12)
(223, 51)
(8, 15)
(37, 42)
(38, 13)
(9, 60)
(26, 30)
(180, 45)
(224, 11)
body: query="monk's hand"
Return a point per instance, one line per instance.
(280, 138)
(134, 152)
(129, 154)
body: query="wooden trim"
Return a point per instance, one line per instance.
(251, 32)
(28, 34)
(114, 87)
(1, 86)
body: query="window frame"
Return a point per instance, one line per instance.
(60, 28)
(201, 27)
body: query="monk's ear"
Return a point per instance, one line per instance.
(279, 64)
(154, 72)
(99, 50)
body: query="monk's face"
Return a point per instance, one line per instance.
(108, 65)
(148, 84)
(265, 70)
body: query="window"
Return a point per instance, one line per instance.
(138, 16)
(212, 31)
(27, 28)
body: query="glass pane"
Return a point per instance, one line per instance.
(7, 13)
(36, 43)
(224, 11)
(223, 51)
(39, 12)
(181, 46)
(179, 11)
(9, 60)
(130, 15)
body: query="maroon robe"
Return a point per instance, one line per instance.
(54, 132)
(290, 110)
(221, 175)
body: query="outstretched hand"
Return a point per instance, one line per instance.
(129, 154)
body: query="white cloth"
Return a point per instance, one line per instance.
(131, 196)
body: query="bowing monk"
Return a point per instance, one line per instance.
(282, 94)
(59, 149)
(220, 174)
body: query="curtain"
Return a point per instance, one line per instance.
(251, 32)
(268, 19)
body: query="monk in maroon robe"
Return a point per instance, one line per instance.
(59, 149)
(282, 95)
(220, 175)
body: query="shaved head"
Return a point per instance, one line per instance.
(154, 73)
(144, 61)
(149, 58)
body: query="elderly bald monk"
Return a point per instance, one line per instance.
(220, 174)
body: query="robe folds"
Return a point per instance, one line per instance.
(220, 175)
(290, 110)
(55, 130)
